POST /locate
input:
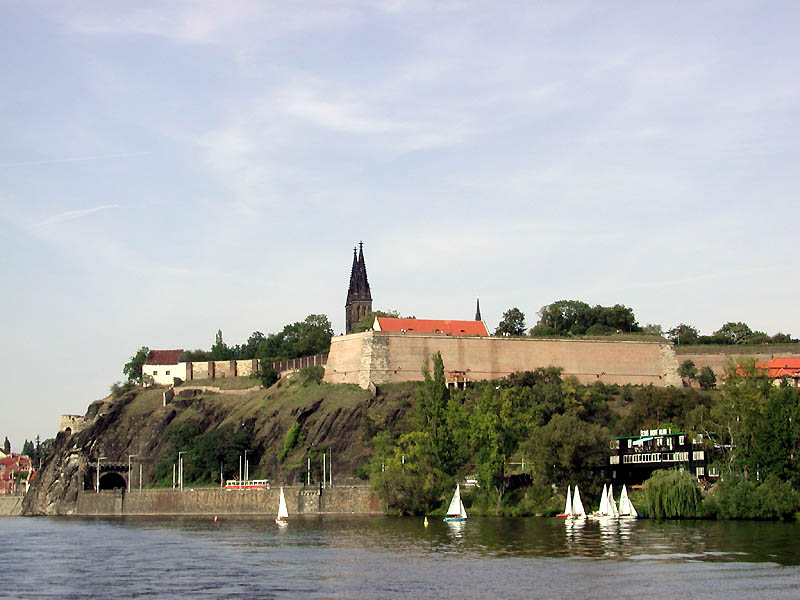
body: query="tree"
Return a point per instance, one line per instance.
(432, 398)
(566, 316)
(653, 329)
(7, 446)
(688, 370)
(513, 323)
(683, 334)
(133, 368)
(220, 351)
(28, 449)
(781, 338)
(569, 450)
(368, 321)
(734, 333)
(706, 378)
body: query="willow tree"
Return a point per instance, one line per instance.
(672, 494)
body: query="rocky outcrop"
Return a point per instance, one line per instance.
(135, 423)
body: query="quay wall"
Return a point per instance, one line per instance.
(383, 357)
(10, 505)
(213, 501)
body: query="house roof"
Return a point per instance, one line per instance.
(445, 326)
(781, 367)
(164, 357)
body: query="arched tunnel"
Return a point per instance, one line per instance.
(112, 481)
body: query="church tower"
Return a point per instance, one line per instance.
(359, 298)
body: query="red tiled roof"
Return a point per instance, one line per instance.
(164, 357)
(432, 326)
(781, 367)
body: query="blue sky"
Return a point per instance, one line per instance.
(169, 169)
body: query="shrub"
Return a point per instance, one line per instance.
(266, 374)
(672, 494)
(739, 498)
(308, 375)
(289, 441)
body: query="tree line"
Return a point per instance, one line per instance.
(566, 318)
(561, 429)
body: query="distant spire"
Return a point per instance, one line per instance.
(359, 284)
(478, 310)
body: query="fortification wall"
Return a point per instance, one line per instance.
(383, 357)
(299, 500)
(717, 362)
(10, 506)
(75, 423)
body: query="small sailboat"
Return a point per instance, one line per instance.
(604, 510)
(568, 506)
(577, 505)
(283, 513)
(456, 512)
(626, 508)
(612, 506)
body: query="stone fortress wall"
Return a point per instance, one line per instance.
(375, 357)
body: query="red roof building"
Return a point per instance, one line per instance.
(446, 327)
(164, 357)
(11, 464)
(781, 367)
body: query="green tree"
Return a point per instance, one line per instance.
(28, 449)
(7, 446)
(688, 370)
(133, 368)
(513, 323)
(734, 333)
(683, 335)
(706, 378)
(220, 350)
(672, 494)
(569, 451)
(366, 323)
(781, 338)
(431, 412)
(566, 316)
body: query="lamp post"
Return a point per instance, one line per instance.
(130, 456)
(99, 458)
(246, 469)
(180, 468)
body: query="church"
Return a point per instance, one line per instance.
(396, 349)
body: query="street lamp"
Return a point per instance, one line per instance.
(99, 458)
(130, 456)
(180, 468)
(246, 469)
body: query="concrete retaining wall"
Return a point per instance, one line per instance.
(10, 506)
(382, 357)
(212, 501)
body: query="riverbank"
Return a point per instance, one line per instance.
(10, 506)
(300, 500)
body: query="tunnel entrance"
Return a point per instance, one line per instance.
(112, 481)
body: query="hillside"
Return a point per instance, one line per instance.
(136, 423)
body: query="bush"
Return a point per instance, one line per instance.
(672, 494)
(266, 374)
(289, 441)
(308, 375)
(739, 498)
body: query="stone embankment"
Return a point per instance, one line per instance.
(10, 506)
(214, 501)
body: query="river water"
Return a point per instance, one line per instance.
(381, 557)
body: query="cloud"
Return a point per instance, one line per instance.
(71, 215)
(55, 161)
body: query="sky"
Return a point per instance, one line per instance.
(168, 169)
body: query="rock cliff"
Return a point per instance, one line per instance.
(329, 416)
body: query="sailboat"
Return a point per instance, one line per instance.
(626, 508)
(456, 511)
(602, 510)
(283, 514)
(577, 505)
(612, 506)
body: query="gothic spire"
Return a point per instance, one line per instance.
(359, 284)
(478, 310)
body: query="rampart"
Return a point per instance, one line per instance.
(75, 423)
(10, 505)
(213, 501)
(381, 357)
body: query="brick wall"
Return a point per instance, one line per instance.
(382, 357)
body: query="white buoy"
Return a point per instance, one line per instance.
(425, 522)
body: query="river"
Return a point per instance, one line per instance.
(382, 557)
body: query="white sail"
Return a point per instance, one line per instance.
(603, 510)
(283, 513)
(455, 503)
(577, 505)
(568, 505)
(612, 506)
(626, 508)
(463, 510)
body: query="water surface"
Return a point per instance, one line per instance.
(397, 557)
